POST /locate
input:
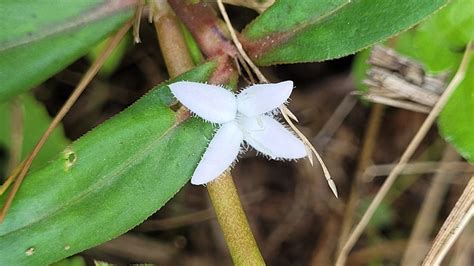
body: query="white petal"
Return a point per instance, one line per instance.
(261, 98)
(210, 102)
(221, 152)
(270, 137)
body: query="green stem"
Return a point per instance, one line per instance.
(204, 25)
(172, 43)
(231, 217)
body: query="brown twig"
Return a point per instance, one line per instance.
(462, 254)
(16, 143)
(137, 18)
(16, 137)
(258, 6)
(418, 242)
(358, 230)
(453, 226)
(417, 168)
(88, 76)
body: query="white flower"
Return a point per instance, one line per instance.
(243, 117)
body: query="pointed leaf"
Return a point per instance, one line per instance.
(39, 38)
(439, 41)
(306, 31)
(106, 182)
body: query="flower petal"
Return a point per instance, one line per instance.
(221, 152)
(261, 98)
(270, 137)
(210, 102)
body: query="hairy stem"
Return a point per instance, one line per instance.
(231, 217)
(204, 25)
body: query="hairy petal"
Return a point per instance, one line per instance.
(212, 103)
(270, 137)
(261, 98)
(221, 152)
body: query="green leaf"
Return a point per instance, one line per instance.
(105, 183)
(360, 68)
(455, 27)
(439, 41)
(35, 121)
(456, 119)
(39, 38)
(305, 31)
(193, 47)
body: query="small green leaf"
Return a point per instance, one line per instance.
(39, 38)
(305, 31)
(193, 47)
(456, 120)
(105, 183)
(35, 121)
(360, 68)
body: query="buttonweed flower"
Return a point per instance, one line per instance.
(246, 117)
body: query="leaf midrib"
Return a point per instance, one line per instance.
(101, 182)
(97, 13)
(309, 23)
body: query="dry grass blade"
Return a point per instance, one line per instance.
(397, 103)
(89, 75)
(310, 150)
(453, 226)
(418, 243)
(401, 82)
(258, 6)
(285, 112)
(16, 121)
(136, 24)
(410, 150)
(9, 180)
(418, 168)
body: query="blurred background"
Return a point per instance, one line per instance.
(293, 214)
